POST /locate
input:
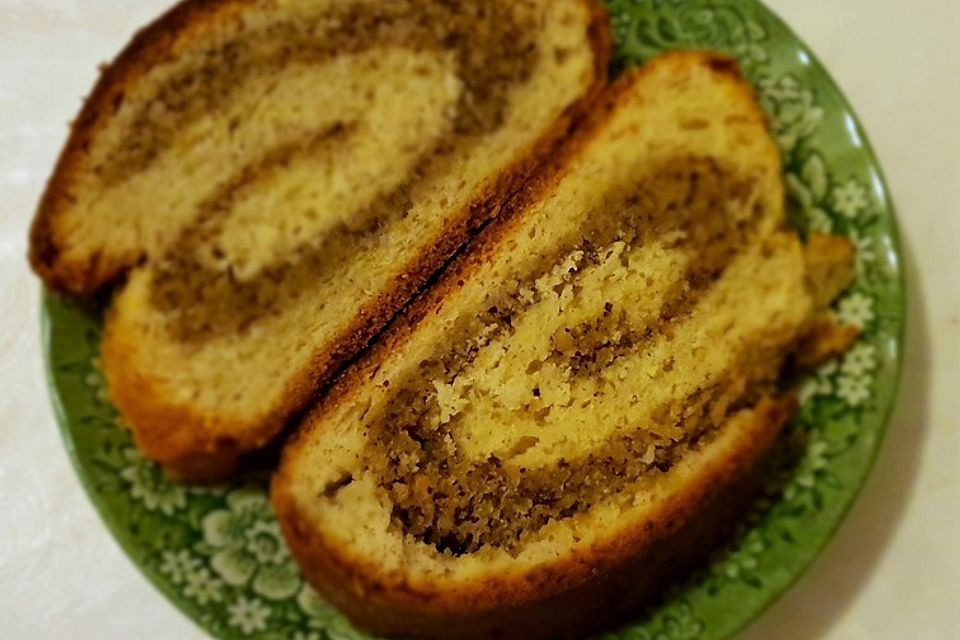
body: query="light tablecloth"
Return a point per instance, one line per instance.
(893, 572)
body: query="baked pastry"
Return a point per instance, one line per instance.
(275, 180)
(570, 415)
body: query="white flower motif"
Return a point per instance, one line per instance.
(808, 189)
(248, 615)
(819, 220)
(860, 360)
(148, 485)
(854, 390)
(179, 565)
(213, 490)
(743, 560)
(865, 253)
(203, 587)
(820, 383)
(96, 381)
(850, 199)
(814, 461)
(323, 616)
(248, 546)
(262, 542)
(621, 24)
(856, 309)
(792, 108)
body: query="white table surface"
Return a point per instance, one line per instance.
(893, 572)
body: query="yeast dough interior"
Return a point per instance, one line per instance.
(614, 337)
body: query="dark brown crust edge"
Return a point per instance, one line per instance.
(566, 598)
(574, 595)
(148, 46)
(188, 443)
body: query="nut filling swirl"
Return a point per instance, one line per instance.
(235, 262)
(446, 497)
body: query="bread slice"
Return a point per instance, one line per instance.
(570, 415)
(280, 178)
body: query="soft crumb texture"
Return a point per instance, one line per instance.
(280, 177)
(609, 361)
(588, 359)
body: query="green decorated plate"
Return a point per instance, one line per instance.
(217, 552)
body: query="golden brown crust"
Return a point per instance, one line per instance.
(567, 597)
(147, 48)
(176, 435)
(826, 339)
(831, 267)
(189, 454)
(559, 599)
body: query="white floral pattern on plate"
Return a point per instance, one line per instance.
(247, 546)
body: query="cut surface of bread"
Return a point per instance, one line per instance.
(563, 419)
(276, 179)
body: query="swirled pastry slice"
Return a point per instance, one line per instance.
(277, 178)
(565, 417)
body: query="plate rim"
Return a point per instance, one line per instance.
(120, 536)
(899, 337)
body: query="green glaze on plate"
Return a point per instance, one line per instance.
(217, 552)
